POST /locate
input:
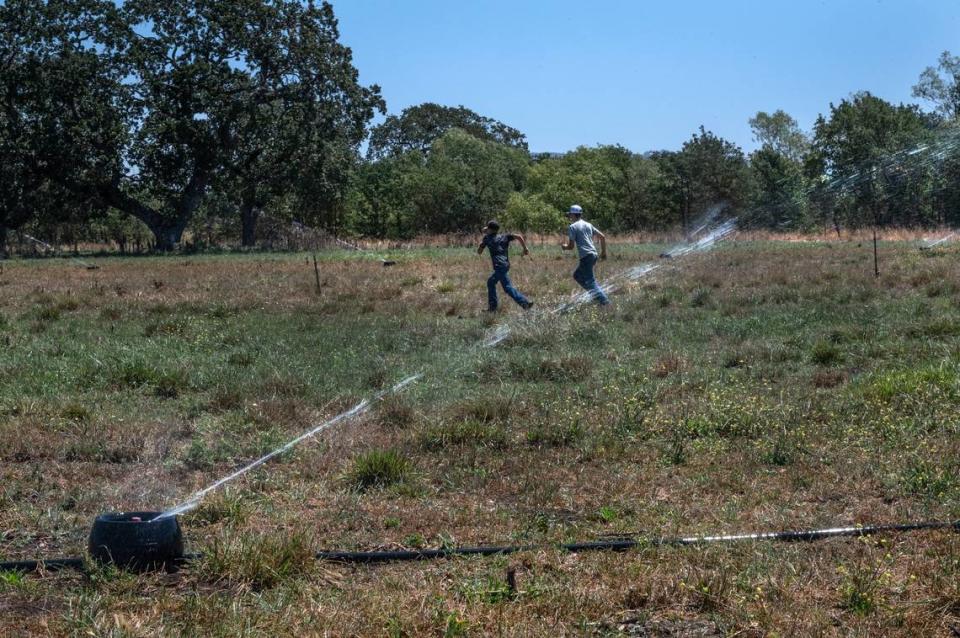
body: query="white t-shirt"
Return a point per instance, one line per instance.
(581, 233)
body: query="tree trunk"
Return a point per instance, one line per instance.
(249, 214)
(168, 235)
(167, 229)
(3, 241)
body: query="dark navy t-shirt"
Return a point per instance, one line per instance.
(498, 245)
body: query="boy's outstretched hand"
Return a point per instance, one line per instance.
(526, 252)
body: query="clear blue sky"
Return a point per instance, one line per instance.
(643, 73)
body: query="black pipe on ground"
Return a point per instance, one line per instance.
(620, 544)
(49, 565)
(624, 544)
(80, 564)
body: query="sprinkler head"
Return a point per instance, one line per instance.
(135, 541)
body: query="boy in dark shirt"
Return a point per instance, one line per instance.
(499, 246)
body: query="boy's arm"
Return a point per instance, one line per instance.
(603, 243)
(519, 238)
(569, 244)
(480, 248)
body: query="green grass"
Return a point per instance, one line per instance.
(762, 386)
(379, 468)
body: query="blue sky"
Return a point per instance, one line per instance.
(644, 74)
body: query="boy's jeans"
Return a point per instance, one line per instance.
(500, 275)
(584, 276)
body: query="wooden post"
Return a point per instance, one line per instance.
(876, 258)
(316, 272)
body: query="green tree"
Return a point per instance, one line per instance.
(941, 86)
(595, 178)
(305, 140)
(779, 191)
(779, 187)
(645, 204)
(529, 212)
(465, 181)
(781, 133)
(60, 126)
(708, 170)
(861, 153)
(261, 91)
(164, 99)
(418, 127)
(382, 201)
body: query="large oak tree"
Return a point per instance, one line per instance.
(143, 106)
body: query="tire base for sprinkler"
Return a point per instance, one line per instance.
(135, 541)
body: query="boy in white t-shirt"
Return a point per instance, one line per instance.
(581, 234)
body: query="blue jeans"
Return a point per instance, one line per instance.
(584, 276)
(500, 275)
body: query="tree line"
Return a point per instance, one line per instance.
(135, 122)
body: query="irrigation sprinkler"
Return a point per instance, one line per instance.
(136, 541)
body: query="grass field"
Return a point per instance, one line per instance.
(765, 385)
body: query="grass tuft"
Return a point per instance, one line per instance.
(255, 560)
(379, 468)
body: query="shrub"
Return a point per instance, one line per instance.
(824, 353)
(256, 560)
(240, 359)
(860, 590)
(48, 313)
(485, 409)
(554, 434)
(379, 468)
(445, 287)
(76, 412)
(170, 384)
(466, 433)
(666, 365)
(396, 413)
(828, 378)
(924, 478)
(700, 297)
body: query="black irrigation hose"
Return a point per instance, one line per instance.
(621, 544)
(631, 543)
(50, 565)
(58, 564)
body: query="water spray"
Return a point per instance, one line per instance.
(363, 251)
(930, 244)
(360, 408)
(54, 250)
